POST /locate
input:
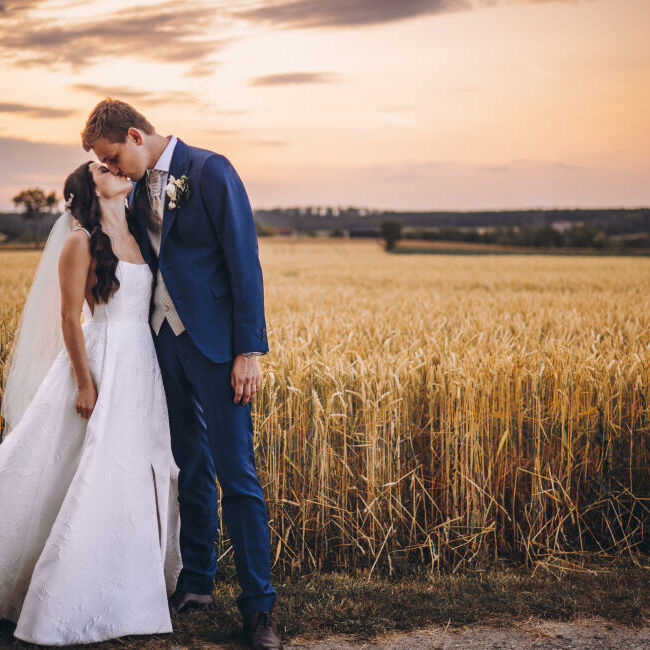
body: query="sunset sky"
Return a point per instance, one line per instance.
(413, 104)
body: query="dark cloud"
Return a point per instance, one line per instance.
(290, 78)
(358, 13)
(141, 97)
(12, 7)
(42, 112)
(137, 96)
(350, 13)
(177, 32)
(168, 33)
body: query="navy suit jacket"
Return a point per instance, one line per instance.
(209, 256)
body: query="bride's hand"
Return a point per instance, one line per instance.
(85, 402)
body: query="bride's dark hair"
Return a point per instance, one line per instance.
(85, 209)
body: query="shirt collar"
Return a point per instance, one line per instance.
(163, 163)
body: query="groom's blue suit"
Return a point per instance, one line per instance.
(210, 266)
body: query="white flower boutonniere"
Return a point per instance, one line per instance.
(178, 191)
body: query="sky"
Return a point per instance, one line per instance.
(381, 104)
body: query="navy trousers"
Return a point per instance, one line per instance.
(210, 434)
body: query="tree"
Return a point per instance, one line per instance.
(261, 230)
(391, 231)
(35, 203)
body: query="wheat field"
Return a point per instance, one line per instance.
(443, 410)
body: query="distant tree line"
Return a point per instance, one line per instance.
(613, 221)
(579, 236)
(604, 228)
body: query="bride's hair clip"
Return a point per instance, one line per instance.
(68, 203)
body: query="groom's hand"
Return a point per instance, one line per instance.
(245, 378)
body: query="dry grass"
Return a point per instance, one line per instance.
(317, 606)
(444, 410)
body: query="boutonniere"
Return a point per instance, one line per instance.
(178, 191)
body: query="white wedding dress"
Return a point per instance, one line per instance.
(89, 516)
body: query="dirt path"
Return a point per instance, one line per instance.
(591, 633)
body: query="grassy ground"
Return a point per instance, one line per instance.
(316, 606)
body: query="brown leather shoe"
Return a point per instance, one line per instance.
(181, 600)
(261, 633)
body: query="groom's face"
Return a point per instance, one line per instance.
(128, 158)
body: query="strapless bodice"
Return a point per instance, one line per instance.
(130, 303)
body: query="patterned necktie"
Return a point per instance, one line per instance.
(155, 184)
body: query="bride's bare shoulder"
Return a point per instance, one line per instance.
(76, 250)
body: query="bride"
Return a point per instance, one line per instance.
(88, 485)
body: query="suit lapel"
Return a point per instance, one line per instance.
(140, 204)
(179, 165)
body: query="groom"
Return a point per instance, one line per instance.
(207, 313)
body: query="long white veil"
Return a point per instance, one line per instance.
(38, 337)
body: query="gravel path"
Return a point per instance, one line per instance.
(591, 633)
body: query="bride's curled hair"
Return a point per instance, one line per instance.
(86, 210)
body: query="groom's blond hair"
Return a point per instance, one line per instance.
(111, 119)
